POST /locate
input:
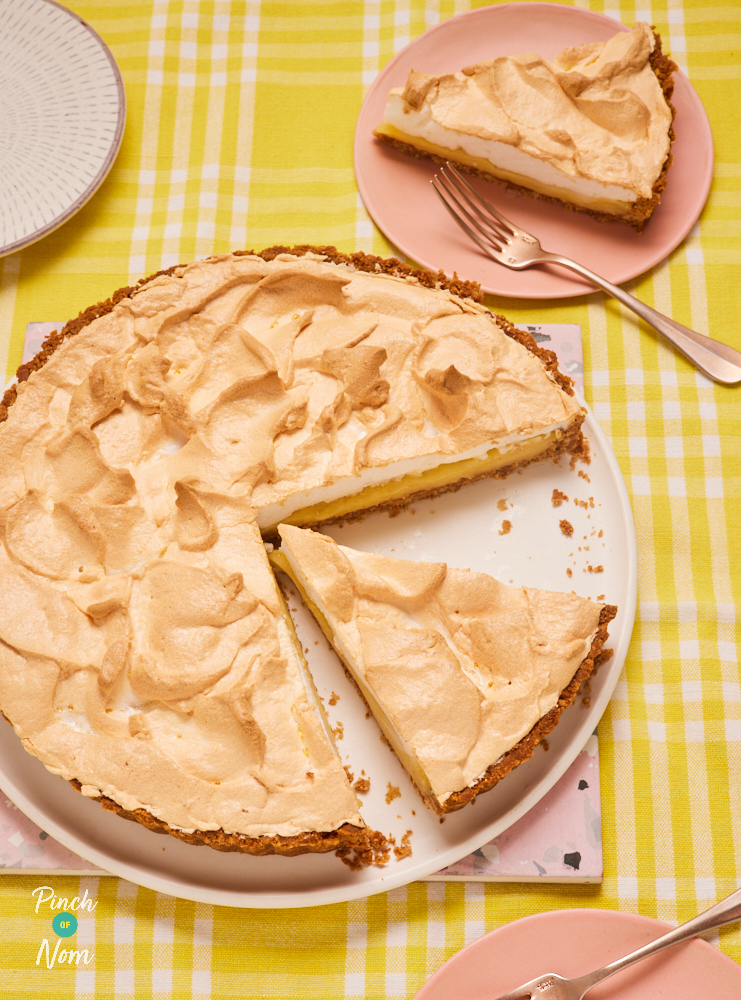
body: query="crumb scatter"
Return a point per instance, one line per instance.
(586, 504)
(404, 850)
(566, 527)
(377, 853)
(557, 498)
(392, 792)
(506, 528)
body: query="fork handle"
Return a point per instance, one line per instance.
(725, 912)
(719, 361)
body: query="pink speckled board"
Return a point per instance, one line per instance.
(559, 840)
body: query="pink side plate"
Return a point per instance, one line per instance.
(572, 943)
(396, 191)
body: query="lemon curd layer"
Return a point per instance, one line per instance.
(550, 182)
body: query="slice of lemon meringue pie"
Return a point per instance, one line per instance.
(591, 129)
(464, 675)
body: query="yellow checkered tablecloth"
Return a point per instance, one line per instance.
(240, 124)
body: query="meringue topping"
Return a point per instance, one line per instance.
(144, 647)
(459, 666)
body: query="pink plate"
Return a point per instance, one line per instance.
(574, 942)
(397, 194)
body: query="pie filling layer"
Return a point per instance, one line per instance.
(456, 667)
(494, 159)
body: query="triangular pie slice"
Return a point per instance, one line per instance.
(590, 129)
(464, 675)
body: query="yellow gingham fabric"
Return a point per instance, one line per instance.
(240, 126)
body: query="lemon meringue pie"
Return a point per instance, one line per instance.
(464, 675)
(146, 654)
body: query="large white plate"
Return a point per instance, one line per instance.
(463, 529)
(62, 114)
(396, 191)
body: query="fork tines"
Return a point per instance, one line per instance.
(490, 228)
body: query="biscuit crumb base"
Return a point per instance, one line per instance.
(347, 837)
(378, 852)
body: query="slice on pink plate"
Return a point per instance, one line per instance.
(396, 190)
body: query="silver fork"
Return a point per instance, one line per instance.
(553, 987)
(513, 247)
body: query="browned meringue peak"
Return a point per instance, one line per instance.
(595, 112)
(462, 665)
(255, 368)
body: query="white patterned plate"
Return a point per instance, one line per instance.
(62, 114)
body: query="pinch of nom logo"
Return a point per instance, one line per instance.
(64, 925)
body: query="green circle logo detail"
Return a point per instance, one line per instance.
(64, 924)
